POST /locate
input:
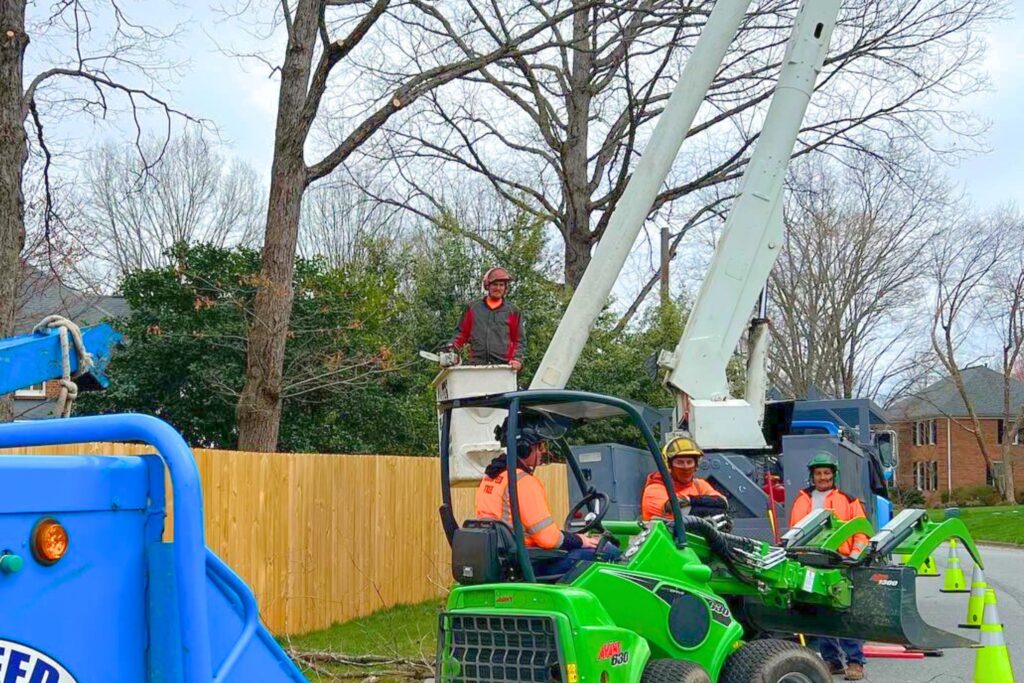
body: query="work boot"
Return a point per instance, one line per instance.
(854, 672)
(836, 668)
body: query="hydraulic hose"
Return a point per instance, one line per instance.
(721, 544)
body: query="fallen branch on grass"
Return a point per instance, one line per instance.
(369, 664)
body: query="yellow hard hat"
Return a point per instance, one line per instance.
(681, 445)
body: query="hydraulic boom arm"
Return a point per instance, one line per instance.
(746, 252)
(37, 357)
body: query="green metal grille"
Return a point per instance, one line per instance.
(498, 649)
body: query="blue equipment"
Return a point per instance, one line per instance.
(88, 587)
(121, 605)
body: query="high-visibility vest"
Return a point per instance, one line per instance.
(655, 498)
(492, 502)
(845, 508)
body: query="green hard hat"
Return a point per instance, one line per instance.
(823, 460)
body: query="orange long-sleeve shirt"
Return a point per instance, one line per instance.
(493, 502)
(845, 508)
(655, 498)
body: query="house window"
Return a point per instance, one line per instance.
(1018, 436)
(926, 432)
(926, 475)
(34, 391)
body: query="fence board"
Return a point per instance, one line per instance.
(326, 538)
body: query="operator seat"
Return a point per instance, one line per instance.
(484, 551)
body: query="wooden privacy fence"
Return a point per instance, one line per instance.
(326, 538)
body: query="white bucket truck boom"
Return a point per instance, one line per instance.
(744, 257)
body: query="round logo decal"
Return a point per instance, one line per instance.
(22, 664)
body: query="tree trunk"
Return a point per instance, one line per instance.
(958, 382)
(577, 233)
(13, 155)
(259, 407)
(1010, 427)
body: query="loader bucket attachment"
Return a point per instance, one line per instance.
(884, 609)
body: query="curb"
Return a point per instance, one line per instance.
(1000, 544)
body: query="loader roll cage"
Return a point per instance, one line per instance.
(571, 408)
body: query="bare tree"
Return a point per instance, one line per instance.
(558, 133)
(1006, 303)
(339, 220)
(85, 70)
(845, 293)
(422, 46)
(975, 268)
(195, 195)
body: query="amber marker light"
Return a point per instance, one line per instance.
(49, 541)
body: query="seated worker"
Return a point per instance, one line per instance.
(540, 528)
(681, 455)
(823, 492)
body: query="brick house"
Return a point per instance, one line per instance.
(41, 294)
(938, 452)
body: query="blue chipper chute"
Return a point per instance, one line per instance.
(36, 357)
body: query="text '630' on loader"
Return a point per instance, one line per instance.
(683, 601)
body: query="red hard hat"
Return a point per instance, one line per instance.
(495, 275)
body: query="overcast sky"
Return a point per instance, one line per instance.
(998, 176)
(241, 98)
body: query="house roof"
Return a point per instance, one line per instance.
(983, 385)
(41, 294)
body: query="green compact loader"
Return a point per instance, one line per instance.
(677, 601)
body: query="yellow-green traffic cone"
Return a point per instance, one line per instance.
(928, 568)
(992, 665)
(953, 581)
(976, 603)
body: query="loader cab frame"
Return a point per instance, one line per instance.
(570, 408)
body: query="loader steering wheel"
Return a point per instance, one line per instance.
(592, 520)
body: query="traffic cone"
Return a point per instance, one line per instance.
(992, 665)
(928, 568)
(953, 580)
(976, 603)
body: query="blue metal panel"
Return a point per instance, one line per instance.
(72, 483)
(33, 358)
(86, 611)
(242, 650)
(164, 625)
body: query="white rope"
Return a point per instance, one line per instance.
(68, 387)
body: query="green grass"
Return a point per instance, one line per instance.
(1004, 524)
(407, 632)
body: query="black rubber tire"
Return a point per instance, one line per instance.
(673, 671)
(769, 660)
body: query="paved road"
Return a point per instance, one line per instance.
(1004, 572)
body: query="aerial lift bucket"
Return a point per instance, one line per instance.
(884, 609)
